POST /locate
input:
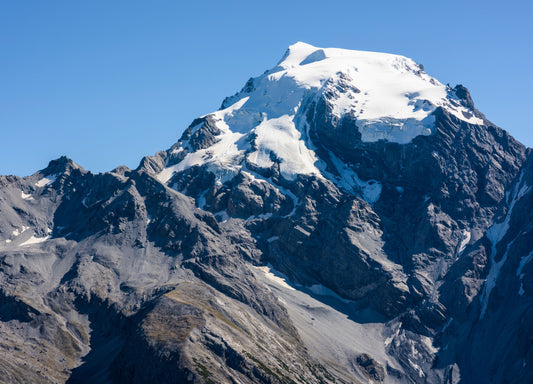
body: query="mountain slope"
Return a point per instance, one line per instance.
(343, 218)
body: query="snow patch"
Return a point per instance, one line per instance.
(464, 241)
(260, 216)
(19, 231)
(389, 339)
(428, 342)
(369, 190)
(34, 240)
(278, 137)
(46, 181)
(492, 277)
(417, 368)
(401, 131)
(222, 158)
(26, 196)
(274, 276)
(495, 234)
(84, 201)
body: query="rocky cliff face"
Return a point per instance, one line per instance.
(343, 218)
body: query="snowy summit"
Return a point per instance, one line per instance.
(390, 98)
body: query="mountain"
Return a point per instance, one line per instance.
(344, 218)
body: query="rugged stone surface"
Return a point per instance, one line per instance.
(386, 262)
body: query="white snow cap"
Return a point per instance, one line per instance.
(390, 96)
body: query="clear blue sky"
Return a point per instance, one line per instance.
(107, 82)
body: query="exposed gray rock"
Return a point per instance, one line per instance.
(387, 262)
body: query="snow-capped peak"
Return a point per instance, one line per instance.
(390, 97)
(391, 88)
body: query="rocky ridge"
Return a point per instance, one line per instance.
(343, 218)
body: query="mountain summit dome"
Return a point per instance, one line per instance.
(381, 97)
(378, 89)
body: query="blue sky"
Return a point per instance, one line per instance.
(107, 82)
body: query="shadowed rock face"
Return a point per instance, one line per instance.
(395, 263)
